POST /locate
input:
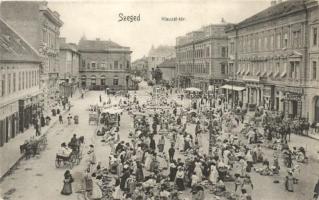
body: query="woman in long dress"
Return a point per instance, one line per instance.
(198, 170)
(289, 182)
(96, 192)
(180, 179)
(148, 160)
(67, 186)
(213, 176)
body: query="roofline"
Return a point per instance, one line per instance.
(51, 16)
(24, 40)
(20, 61)
(239, 26)
(203, 40)
(69, 49)
(104, 51)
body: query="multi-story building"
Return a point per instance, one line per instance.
(312, 83)
(201, 57)
(157, 55)
(168, 68)
(269, 55)
(104, 64)
(19, 83)
(69, 66)
(40, 26)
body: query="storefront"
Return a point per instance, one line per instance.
(9, 122)
(268, 97)
(29, 108)
(292, 101)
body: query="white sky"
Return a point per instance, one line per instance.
(99, 19)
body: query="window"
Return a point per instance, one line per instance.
(116, 64)
(115, 80)
(224, 52)
(121, 66)
(19, 87)
(232, 48)
(3, 85)
(294, 70)
(314, 36)
(259, 44)
(30, 79)
(93, 65)
(296, 39)
(14, 82)
(314, 70)
(83, 63)
(286, 40)
(22, 80)
(278, 41)
(271, 42)
(9, 83)
(223, 68)
(128, 65)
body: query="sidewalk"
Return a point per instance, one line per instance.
(10, 152)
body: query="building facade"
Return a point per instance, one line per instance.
(201, 57)
(168, 68)
(69, 66)
(140, 67)
(269, 55)
(104, 64)
(19, 83)
(158, 55)
(40, 26)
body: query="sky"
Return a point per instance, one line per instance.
(100, 19)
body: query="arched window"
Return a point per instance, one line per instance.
(102, 80)
(116, 80)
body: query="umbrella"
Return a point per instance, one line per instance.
(193, 89)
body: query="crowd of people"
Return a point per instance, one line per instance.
(165, 158)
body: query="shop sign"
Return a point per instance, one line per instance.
(293, 96)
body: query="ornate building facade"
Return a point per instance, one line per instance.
(104, 64)
(201, 57)
(269, 55)
(40, 26)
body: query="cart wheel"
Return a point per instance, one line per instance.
(57, 163)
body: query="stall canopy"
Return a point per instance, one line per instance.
(193, 89)
(233, 87)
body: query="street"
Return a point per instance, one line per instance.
(38, 178)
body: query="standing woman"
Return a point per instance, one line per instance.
(289, 182)
(180, 179)
(247, 185)
(161, 144)
(68, 180)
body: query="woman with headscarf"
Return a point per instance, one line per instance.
(67, 183)
(179, 181)
(213, 175)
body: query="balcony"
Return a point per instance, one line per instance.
(102, 69)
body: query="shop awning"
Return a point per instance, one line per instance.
(233, 87)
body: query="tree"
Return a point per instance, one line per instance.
(158, 75)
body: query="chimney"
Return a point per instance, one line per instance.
(97, 39)
(272, 3)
